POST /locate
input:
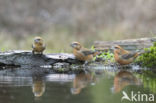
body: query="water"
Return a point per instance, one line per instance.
(99, 85)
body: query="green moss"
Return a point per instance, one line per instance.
(148, 59)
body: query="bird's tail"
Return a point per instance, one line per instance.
(143, 51)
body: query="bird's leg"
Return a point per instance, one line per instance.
(33, 52)
(41, 53)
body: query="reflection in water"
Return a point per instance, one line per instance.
(124, 78)
(148, 78)
(38, 86)
(81, 81)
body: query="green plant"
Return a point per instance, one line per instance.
(148, 59)
(107, 56)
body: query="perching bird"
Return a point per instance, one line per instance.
(124, 57)
(81, 53)
(38, 45)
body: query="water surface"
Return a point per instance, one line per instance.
(99, 85)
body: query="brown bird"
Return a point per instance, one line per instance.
(81, 53)
(38, 45)
(124, 57)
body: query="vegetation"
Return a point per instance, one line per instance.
(148, 59)
(36, 16)
(107, 57)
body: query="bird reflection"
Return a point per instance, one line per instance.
(123, 79)
(38, 87)
(81, 81)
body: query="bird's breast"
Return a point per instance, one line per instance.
(38, 48)
(80, 56)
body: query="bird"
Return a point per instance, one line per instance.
(124, 57)
(81, 53)
(38, 46)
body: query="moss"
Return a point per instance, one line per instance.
(148, 59)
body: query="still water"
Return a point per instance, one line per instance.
(99, 85)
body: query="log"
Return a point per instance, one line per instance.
(129, 44)
(22, 58)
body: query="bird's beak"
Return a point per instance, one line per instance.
(72, 45)
(112, 48)
(36, 40)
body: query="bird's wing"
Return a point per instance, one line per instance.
(32, 46)
(128, 55)
(87, 52)
(44, 46)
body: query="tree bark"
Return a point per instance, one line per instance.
(129, 44)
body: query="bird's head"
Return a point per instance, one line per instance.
(76, 45)
(117, 49)
(38, 40)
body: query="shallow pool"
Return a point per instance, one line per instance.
(99, 85)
